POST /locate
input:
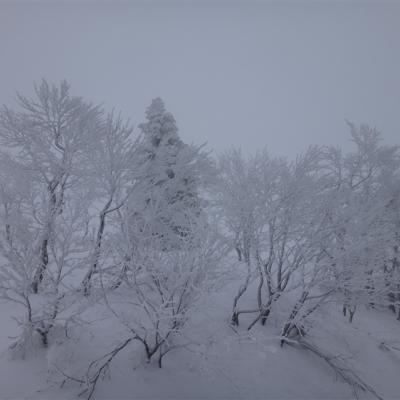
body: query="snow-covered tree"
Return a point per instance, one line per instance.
(111, 163)
(172, 173)
(362, 218)
(244, 191)
(19, 240)
(44, 201)
(272, 212)
(47, 136)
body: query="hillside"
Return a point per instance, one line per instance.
(216, 362)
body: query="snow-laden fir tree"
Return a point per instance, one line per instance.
(167, 204)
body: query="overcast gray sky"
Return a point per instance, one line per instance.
(245, 73)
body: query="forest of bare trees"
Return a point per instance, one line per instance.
(98, 214)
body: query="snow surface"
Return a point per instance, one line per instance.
(216, 362)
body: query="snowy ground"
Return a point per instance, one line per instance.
(219, 363)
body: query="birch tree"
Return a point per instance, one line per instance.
(48, 135)
(112, 177)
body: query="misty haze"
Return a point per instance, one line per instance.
(199, 199)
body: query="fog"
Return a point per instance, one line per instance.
(251, 74)
(136, 263)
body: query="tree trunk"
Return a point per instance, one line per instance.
(44, 261)
(86, 283)
(241, 291)
(352, 311)
(289, 324)
(44, 254)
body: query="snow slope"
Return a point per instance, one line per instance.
(214, 362)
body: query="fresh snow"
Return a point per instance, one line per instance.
(217, 362)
